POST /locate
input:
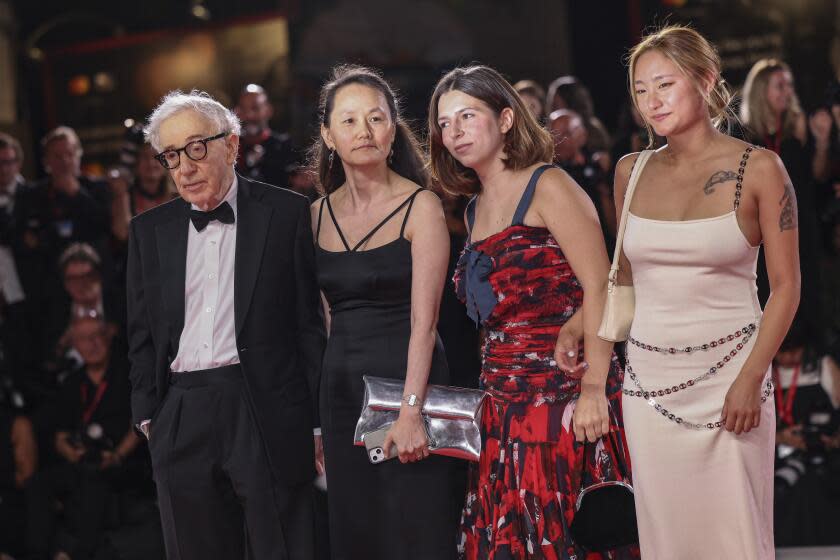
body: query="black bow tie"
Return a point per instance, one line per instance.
(223, 212)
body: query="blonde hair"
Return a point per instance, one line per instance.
(755, 110)
(696, 58)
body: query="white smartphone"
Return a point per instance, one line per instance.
(374, 442)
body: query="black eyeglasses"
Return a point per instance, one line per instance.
(195, 150)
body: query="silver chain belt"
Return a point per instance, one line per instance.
(768, 389)
(691, 382)
(747, 331)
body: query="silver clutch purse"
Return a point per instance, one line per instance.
(452, 415)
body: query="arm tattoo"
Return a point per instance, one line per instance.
(788, 218)
(717, 178)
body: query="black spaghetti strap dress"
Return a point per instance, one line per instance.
(389, 510)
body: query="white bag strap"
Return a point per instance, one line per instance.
(638, 166)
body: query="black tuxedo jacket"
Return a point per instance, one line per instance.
(279, 328)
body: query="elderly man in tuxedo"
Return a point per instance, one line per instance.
(226, 340)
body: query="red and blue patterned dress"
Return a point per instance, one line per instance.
(520, 502)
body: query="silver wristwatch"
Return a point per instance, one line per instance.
(411, 400)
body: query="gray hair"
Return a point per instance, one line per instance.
(200, 102)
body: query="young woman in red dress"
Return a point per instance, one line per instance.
(533, 275)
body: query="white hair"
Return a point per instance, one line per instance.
(199, 101)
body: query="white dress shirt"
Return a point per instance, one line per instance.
(209, 338)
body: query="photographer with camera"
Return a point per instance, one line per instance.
(95, 444)
(807, 396)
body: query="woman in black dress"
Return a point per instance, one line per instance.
(382, 249)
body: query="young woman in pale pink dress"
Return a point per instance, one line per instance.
(698, 406)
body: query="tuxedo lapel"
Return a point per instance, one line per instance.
(172, 255)
(252, 222)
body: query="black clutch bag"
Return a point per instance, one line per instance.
(605, 511)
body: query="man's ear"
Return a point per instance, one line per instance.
(233, 148)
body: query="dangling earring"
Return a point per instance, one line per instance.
(391, 156)
(332, 154)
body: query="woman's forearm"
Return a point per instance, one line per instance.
(421, 346)
(778, 316)
(597, 352)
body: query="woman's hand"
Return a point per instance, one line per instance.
(591, 418)
(742, 406)
(408, 434)
(567, 348)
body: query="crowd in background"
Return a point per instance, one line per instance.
(75, 479)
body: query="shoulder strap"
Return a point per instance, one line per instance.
(320, 215)
(470, 211)
(638, 166)
(409, 200)
(528, 195)
(335, 222)
(740, 179)
(408, 211)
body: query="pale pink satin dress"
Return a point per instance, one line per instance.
(700, 493)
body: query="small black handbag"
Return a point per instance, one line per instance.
(605, 511)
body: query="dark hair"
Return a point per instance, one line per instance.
(526, 143)
(407, 159)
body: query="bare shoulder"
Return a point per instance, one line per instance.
(623, 168)
(426, 211)
(319, 202)
(555, 185)
(765, 166)
(427, 203)
(765, 176)
(316, 208)
(558, 192)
